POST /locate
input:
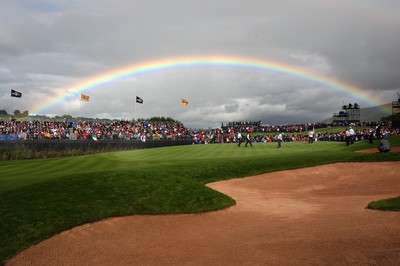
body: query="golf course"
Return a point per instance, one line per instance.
(43, 197)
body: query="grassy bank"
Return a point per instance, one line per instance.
(391, 204)
(39, 198)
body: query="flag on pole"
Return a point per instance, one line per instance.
(184, 102)
(15, 93)
(139, 100)
(84, 98)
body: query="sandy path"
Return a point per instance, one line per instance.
(311, 216)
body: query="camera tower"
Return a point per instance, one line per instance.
(350, 114)
(396, 112)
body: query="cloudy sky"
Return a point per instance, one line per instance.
(48, 47)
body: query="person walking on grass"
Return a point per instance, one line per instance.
(347, 137)
(371, 135)
(311, 136)
(239, 138)
(280, 139)
(352, 133)
(248, 139)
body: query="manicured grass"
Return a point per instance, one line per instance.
(334, 129)
(338, 129)
(39, 198)
(391, 204)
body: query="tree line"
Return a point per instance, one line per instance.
(16, 113)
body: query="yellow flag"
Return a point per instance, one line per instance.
(184, 102)
(84, 98)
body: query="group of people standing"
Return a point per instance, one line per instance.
(349, 136)
(248, 139)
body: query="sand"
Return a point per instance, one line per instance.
(309, 216)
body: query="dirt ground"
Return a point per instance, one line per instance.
(310, 216)
(375, 150)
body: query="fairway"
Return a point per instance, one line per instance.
(40, 198)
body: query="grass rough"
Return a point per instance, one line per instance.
(390, 204)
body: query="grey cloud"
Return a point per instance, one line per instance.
(231, 108)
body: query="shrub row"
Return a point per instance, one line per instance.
(40, 149)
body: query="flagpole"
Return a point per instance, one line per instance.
(11, 107)
(80, 108)
(134, 108)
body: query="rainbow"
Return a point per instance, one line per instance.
(193, 61)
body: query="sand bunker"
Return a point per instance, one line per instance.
(306, 216)
(375, 150)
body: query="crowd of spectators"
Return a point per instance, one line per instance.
(299, 132)
(127, 130)
(258, 127)
(31, 130)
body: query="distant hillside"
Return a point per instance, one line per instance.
(374, 113)
(371, 113)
